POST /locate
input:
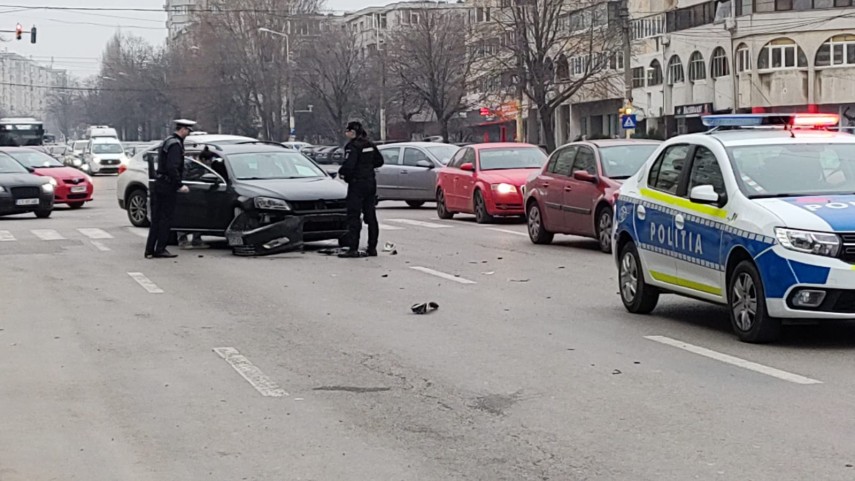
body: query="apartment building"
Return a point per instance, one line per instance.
(25, 86)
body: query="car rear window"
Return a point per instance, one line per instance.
(622, 161)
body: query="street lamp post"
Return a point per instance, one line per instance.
(289, 95)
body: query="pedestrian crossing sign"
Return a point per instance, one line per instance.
(628, 122)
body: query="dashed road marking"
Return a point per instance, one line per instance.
(95, 233)
(145, 282)
(250, 372)
(6, 236)
(507, 231)
(47, 234)
(419, 223)
(100, 246)
(390, 227)
(734, 361)
(443, 275)
(137, 231)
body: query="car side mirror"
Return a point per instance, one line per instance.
(706, 194)
(585, 176)
(425, 163)
(468, 167)
(333, 175)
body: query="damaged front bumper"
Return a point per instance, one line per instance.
(247, 237)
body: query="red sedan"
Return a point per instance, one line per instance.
(71, 186)
(574, 192)
(486, 180)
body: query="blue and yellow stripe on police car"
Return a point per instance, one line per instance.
(683, 203)
(681, 282)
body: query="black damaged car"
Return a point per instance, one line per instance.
(262, 197)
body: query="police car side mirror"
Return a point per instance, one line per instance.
(706, 194)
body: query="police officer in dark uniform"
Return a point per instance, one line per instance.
(361, 158)
(167, 186)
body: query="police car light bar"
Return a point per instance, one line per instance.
(771, 120)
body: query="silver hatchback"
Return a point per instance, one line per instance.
(409, 171)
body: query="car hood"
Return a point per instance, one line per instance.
(21, 180)
(61, 173)
(834, 213)
(316, 188)
(515, 177)
(109, 156)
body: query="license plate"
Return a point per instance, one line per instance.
(235, 240)
(78, 189)
(27, 202)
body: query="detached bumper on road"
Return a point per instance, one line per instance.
(282, 236)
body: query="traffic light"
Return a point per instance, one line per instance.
(19, 31)
(485, 112)
(626, 109)
(33, 35)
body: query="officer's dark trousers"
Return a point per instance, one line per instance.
(361, 195)
(162, 211)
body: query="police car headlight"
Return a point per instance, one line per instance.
(819, 243)
(268, 203)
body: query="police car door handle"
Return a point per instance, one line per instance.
(679, 221)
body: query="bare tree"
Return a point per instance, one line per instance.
(557, 48)
(431, 61)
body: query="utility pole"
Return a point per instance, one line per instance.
(382, 51)
(521, 77)
(627, 58)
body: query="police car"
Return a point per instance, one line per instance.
(757, 214)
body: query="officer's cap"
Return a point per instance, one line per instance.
(185, 124)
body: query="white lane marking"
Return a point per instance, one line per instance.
(735, 361)
(138, 232)
(146, 284)
(419, 223)
(443, 275)
(390, 227)
(100, 246)
(6, 236)
(248, 371)
(95, 233)
(507, 231)
(47, 234)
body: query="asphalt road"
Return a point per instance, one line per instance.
(308, 367)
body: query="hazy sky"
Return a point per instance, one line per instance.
(75, 39)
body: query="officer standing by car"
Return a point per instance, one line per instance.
(167, 186)
(361, 158)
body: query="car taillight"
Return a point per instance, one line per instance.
(122, 168)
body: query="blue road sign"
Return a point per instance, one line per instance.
(628, 122)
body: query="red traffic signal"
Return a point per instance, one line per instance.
(485, 112)
(19, 31)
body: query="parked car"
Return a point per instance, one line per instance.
(22, 192)
(575, 191)
(71, 186)
(298, 146)
(132, 184)
(409, 171)
(262, 198)
(486, 180)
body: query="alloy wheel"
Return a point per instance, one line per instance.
(138, 209)
(744, 302)
(628, 277)
(605, 231)
(534, 221)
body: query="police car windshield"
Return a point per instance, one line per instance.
(791, 170)
(622, 161)
(512, 158)
(273, 165)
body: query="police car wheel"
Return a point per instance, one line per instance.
(604, 229)
(638, 297)
(536, 230)
(747, 306)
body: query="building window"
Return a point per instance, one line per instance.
(675, 71)
(838, 50)
(562, 68)
(690, 17)
(782, 53)
(842, 3)
(616, 61)
(638, 77)
(697, 67)
(654, 74)
(718, 65)
(648, 26)
(783, 5)
(743, 59)
(482, 14)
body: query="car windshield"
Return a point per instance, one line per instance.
(107, 148)
(512, 158)
(443, 153)
(8, 165)
(622, 161)
(80, 145)
(790, 170)
(273, 165)
(35, 160)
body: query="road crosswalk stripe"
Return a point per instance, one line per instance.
(47, 234)
(138, 232)
(508, 231)
(6, 236)
(145, 282)
(390, 227)
(95, 234)
(419, 223)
